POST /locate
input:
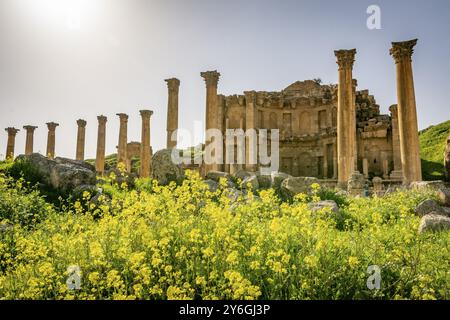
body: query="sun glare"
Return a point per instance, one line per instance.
(71, 13)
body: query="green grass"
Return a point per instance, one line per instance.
(432, 147)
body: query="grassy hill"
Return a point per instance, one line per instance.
(432, 146)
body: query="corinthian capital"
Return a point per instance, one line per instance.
(146, 114)
(52, 126)
(102, 120)
(12, 131)
(30, 128)
(211, 78)
(122, 116)
(81, 123)
(345, 58)
(173, 84)
(402, 50)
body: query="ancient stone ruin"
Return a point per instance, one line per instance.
(332, 132)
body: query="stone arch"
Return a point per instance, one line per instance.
(305, 122)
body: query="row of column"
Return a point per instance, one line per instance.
(101, 141)
(145, 156)
(406, 115)
(29, 141)
(173, 85)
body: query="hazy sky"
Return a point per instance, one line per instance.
(61, 60)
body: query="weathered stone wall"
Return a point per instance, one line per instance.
(306, 115)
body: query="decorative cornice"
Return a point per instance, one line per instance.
(345, 58)
(402, 50)
(211, 78)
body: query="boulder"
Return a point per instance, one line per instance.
(212, 185)
(427, 207)
(277, 178)
(61, 174)
(434, 222)
(435, 185)
(233, 194)
(80, 190)
(264, 181)
(242, 174)
(316, 206)
(164, 169)
(444, 196)
(217, 175)
(252, 180)
(295, 185)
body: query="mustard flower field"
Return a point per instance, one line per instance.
(185, 242)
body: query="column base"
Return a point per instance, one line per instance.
(396, 175)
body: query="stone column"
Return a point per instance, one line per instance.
(211, 79)
(145, 144)
(29, 139)
(101, 141)
(173, 85)
(11, 142)
(354, 130)
(345, 121)
(250, 124)
(407, 114)
(123, 139)
(81, 139)
(397, 173)
(335, 161)
(365, 168)
(51, 139)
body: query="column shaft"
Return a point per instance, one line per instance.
(407, 113)
(211, 122)
(51, 139)
(10, 146)
(173, 86)
(346, 116)
(145, 144)
(101, 141)
(81, 140)
(123, 139)
(29, 139)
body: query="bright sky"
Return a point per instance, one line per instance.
(61, 60)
